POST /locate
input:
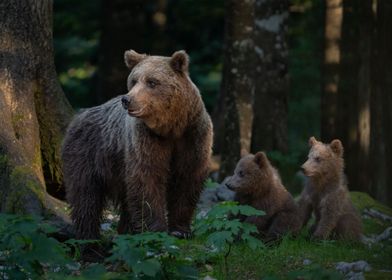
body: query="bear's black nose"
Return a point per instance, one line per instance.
(125, 102)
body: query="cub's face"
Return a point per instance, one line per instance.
(323, 159)
(250, 171)
(158, 87)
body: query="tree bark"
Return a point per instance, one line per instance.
(239, 83)
(329, 97)
(381, 118)
(33, 109)
(271, 84)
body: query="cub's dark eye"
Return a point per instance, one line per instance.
(317, 159)
(241, 174)
(133, 82)
(151, 83)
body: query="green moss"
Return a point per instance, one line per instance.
(363, 200)
(378, 275)
(24, 191)
(17, 123)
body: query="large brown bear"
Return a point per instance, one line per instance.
(148, 151)
(257, 183)
(327, 195)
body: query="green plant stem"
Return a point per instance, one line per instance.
(226, 257)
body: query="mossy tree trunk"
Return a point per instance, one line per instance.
(271, 84)
(33, 110)
(238, 83)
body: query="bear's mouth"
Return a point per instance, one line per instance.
(136, 113)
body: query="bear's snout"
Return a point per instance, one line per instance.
(229, 186)
(125, 102)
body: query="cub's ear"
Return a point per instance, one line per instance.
(337, 147)
(261, 159)
(244, 152)
(179, 61)
(132, 58)
(312, 141)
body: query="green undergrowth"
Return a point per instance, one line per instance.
(222, 248)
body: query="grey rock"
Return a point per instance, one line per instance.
(106, 226)
(354, 276)
(306, 262)
(358, 266)
(211, 196)
(224, 194)
(209, 278)
(377, 214)
(370, 240)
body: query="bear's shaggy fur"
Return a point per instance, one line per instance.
(257, 183)
(148, 151)
(327, 195)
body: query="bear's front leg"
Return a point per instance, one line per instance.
(190, 166)
(148, 208)
(326, 222)
(147, 182)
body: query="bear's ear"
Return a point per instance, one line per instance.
(261, 159)
(312, 141)
(179, 61)
(132, 58)
(337, 147)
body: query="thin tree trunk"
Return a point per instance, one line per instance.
(381, 152)
(271, 84)
(137, 25)
(363, 111)
(33, 109)
(329, 98)
(239, 83)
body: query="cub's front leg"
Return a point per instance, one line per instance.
(329, 210)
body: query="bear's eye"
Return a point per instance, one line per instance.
(241, 174)
(151, 83)
(317, 159)
(133, 82)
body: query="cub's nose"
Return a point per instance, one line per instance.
(125, 102)
(229, 186)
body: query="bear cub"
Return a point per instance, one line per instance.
(326, 194)
(257, 183)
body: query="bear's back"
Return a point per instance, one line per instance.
(96, 139)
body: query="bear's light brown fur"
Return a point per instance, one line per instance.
(257, 183)
(326, 193)
(148, 150)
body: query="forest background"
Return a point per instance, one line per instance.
(272, 73)
(307, 67)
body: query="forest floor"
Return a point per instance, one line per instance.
(316, 259)
(27, 252)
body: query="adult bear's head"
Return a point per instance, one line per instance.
(160, 92)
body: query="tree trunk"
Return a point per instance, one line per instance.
(127, 25)
(271, 84)
(329, 97)
(33, 110)
(381, 148)
(353, 125)
(239, 83)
